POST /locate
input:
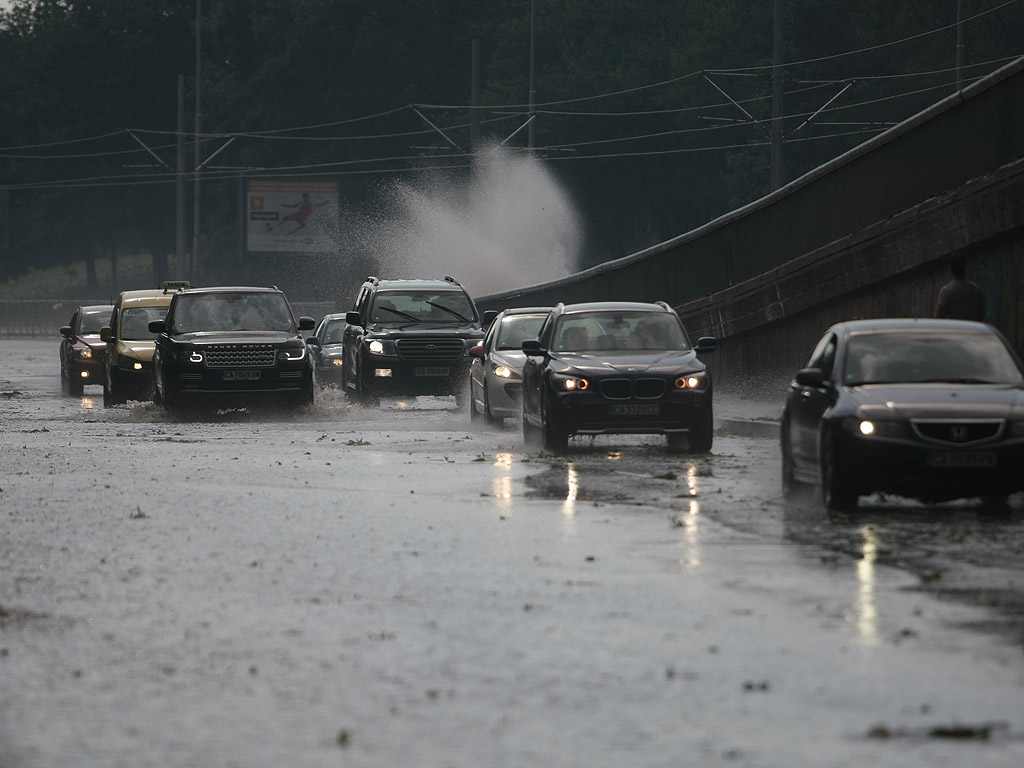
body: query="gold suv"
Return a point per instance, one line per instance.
(128, 369)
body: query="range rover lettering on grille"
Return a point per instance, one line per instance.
(240, 356)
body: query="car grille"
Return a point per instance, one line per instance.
(625, 389)
(963, 432)
(430, 350)
(240, 356)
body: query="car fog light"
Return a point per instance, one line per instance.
(137, 366)
(867, 428)
(85, 374)
(382, 373)
(337, 362)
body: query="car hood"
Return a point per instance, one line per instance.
(140, 349)
(94, 343)
(412, 330)
(513, 358)
(203, 338)
(604, 363)
(939, 401)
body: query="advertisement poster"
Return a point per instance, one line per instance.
(291, 216)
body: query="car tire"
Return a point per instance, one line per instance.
(677, 441)
(75, 386)
(113, 394)
(474, 414)
(556, 435)
(531, 435)
(702, 433)
(835, 494)
(306, 396)
(791, 487)
(490, 418)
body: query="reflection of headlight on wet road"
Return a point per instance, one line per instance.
(867, 608)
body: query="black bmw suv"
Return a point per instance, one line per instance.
(410, 337)
(231, 344)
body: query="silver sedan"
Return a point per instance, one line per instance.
(495, 377)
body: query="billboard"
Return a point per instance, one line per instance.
(291, 216)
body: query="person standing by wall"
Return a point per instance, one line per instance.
(960, 299)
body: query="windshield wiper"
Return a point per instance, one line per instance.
(400, 313)
(448, 310)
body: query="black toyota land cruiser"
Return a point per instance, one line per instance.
(231, 344)
(410, 337)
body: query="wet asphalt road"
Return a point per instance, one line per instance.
(347, 586)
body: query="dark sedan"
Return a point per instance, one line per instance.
(616, 368)
(927, 409)
(82, 351)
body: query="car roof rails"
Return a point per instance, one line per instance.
(450, 279)
(663, 304)
(373, 279)
(175, 285)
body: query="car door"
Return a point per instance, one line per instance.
(808, 403)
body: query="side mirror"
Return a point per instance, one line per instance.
(306, 323)
(65, 330)
(489, 316)
(532, 348)
(706, 344)
(157, 326)
(353, 318)
(106, 334)
(313, 341)
(477, 351)
(810, 377)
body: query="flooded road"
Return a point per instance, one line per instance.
(377, 587)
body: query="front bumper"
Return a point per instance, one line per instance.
(590, 413)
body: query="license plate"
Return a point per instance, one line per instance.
(965, 459)
(635, 410)
(241, 375)
(433, 370)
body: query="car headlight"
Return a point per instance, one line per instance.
(697, 380)
(570, 383)
(503, 371)
(190, 356)
(875, 427)
(292, 354)
(84, 354)
(381, 347)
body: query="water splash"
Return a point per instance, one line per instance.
(508, 224)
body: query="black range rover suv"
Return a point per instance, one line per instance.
(231, 344)
(410, 337)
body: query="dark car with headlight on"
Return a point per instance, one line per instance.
(82, 351)
(495, 375)
(617, 368)
(232, 345)
(921, 408)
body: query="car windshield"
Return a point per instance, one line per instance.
(627, 330)
(135, 322)
(897, 357)
(232, 312)
(515, 329)
(94, 320)
(421, 307)
(334, 332)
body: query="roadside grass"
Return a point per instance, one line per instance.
(68, 281)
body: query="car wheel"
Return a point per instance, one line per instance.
(834, 493)
(556, 436)
(490, 418)
(791, 487)
(676, 441)
(531, 435)
(474, 414)
(114, 393)
(65, 387)
(306, 395)
(75, 385)
(702, 433)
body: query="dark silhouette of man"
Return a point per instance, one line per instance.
(960, 299)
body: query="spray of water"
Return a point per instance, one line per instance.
(508, 224)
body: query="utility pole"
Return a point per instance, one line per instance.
(179, 249)
(199, 122)
(777, 176)
(533, 92)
